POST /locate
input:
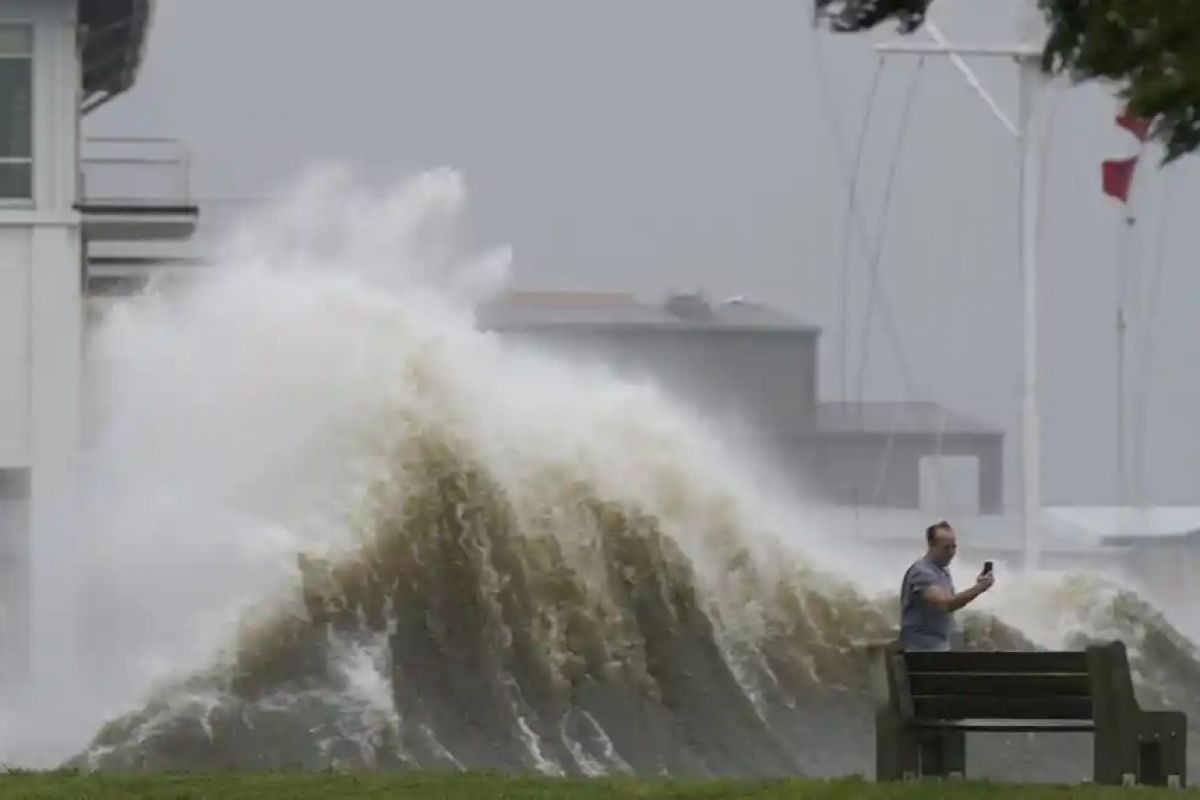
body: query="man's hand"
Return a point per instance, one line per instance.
(942, 599)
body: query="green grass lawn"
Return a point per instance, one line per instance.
(51, 786)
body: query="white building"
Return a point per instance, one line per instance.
(59, 59)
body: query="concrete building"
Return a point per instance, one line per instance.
(757, 368)
(59, 59)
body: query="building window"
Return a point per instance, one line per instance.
(16, 112)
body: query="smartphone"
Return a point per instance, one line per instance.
(987, 568)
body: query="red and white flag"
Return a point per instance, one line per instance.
(1117, 173)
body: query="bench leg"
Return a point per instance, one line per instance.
(897, 750)
(1114, 756)
(1162, 749)
(943, 754)
(1151, 752)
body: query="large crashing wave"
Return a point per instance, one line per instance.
(493, 560)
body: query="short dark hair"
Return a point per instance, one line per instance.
(932, 531)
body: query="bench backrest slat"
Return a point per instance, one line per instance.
(951, 707)
(997, 661)
(1003, 685)
(1056, 684)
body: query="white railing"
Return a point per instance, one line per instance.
(136, 171)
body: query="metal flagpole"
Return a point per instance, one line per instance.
(1032, 82)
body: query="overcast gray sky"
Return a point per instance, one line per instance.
(649, 145)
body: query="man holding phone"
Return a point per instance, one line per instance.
(927, 596)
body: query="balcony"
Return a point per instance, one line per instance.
(136, 190)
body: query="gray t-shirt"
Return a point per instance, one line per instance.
(923, 626)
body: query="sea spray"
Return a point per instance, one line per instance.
(348, 529)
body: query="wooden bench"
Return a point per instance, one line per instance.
(926, 703)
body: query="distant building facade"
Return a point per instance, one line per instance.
(748, 362)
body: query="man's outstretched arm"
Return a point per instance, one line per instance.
(944, 600)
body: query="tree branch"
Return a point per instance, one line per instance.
(1148, 49)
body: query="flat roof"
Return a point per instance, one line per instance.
(114, 37)
(906, 527)
(621, 311)
(1130, 524)
(890, 418)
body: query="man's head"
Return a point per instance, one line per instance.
(942, 543)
